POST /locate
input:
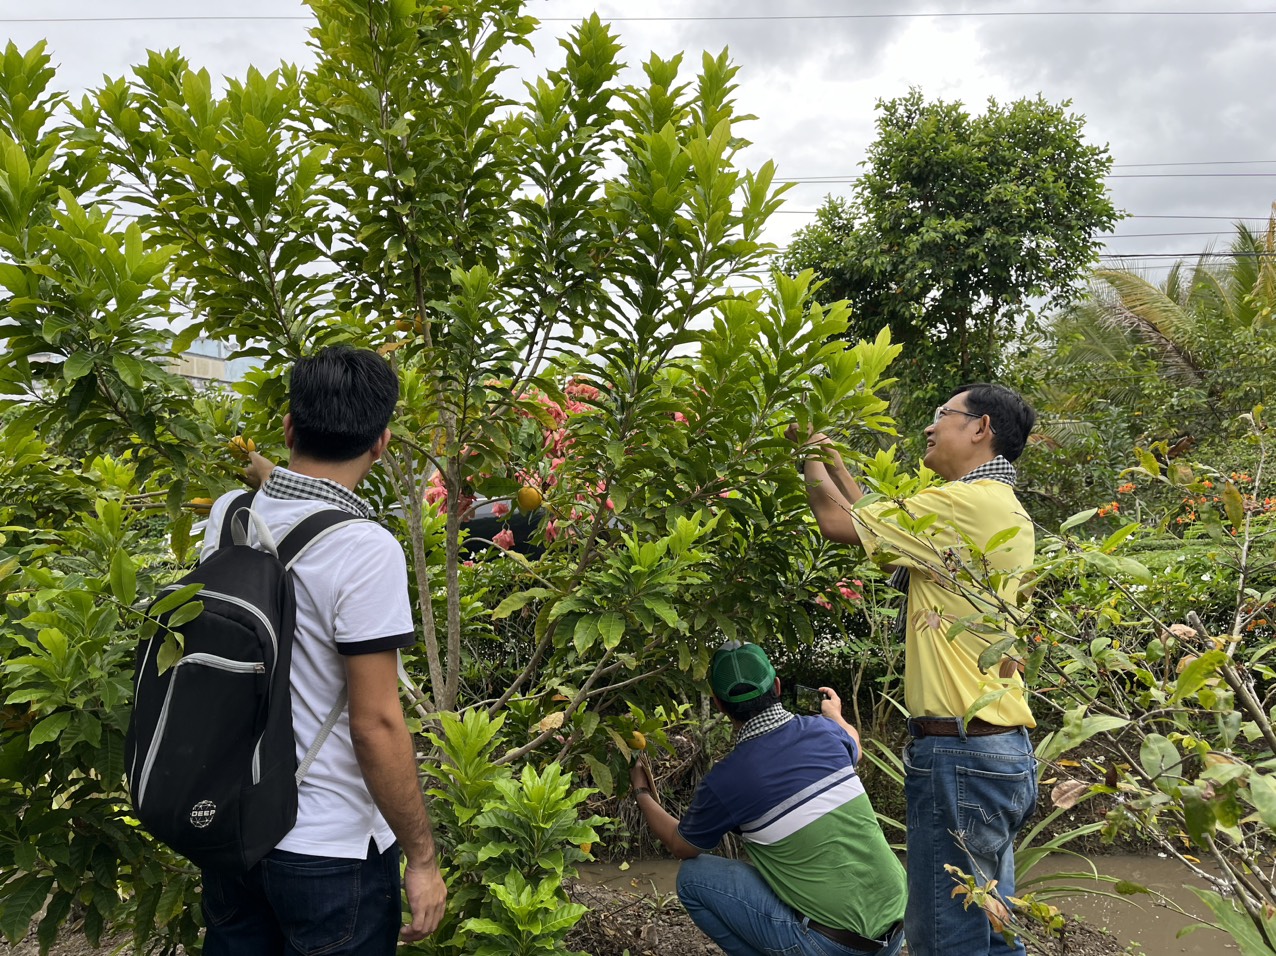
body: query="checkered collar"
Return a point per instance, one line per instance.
(283, 483)
(999, 469)
(773, 718)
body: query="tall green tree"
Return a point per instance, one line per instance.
(577, 247)
(959, 222)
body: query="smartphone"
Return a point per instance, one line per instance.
(808, 699)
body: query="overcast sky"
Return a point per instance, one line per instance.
(1163, 91)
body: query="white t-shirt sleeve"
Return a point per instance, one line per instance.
(372, 611)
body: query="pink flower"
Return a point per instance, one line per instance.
(500, 508)
(551, 530)
(849, 594)
(611, 505)
(435, 495)
(679, 417)
(504, 539)
(823, 602)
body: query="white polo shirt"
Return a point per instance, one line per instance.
(352, 598)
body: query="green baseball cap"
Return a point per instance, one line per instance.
(737, 663)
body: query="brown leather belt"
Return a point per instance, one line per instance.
(855, 940)
(951, 727)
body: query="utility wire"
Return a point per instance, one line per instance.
(737, 18)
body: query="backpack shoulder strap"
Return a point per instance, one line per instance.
(310, 529)
(233, 511)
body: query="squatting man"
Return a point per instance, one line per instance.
(823, 880)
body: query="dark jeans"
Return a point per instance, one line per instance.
(968, 798)
(295, 905)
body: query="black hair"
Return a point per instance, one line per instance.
(744, 709)
(1012, 418)
(341, 399)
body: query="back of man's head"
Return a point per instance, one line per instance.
(743, 679)
(1011, 417)
(340, 400)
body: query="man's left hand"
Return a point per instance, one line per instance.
(640, 776)
(427, 900)
(831, 705)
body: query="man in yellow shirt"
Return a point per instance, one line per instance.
(970, 778)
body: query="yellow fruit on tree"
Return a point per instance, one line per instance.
(638, 740)
(586, 847)
(528, 498)
(202, 504)
(241, 446)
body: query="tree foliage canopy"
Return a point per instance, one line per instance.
(957, 223)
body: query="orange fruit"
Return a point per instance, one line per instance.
(202, 504)
(586, 847)
(638, 740)
(528, 498)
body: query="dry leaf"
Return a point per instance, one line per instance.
(1065, 795)
(552, 721)
(997, 913)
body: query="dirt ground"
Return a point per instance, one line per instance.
(639, 924)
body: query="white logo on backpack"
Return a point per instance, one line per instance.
(202, 813)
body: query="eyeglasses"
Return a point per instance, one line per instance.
(943, 410)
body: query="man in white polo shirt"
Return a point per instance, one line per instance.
(332, 885)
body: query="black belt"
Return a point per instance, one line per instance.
(952, 727)
(855, 940)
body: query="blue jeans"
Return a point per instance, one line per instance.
(967, 801)
(295, 905)
(733, 905)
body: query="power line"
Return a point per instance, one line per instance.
(737, 18)
(839, 180)
(974, 14)
(1262, 219)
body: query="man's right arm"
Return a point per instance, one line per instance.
(383, 747)
(831, 509)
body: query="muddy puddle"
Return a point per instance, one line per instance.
(1138, 919)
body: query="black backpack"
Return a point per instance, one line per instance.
(212, 762)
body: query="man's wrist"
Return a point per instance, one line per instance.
(639, 791)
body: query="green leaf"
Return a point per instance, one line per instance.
(170, 652)
(128, 368)
(48, 729)
(175, 599)
(1000, 538)
(517, 601)
(992, 655)
(1148, 462)
(1198, 814)
(1234, 505)
(185, 614)
(23, 898)
(1197, 673)
(1128, 888)
(123, 577)
(612, 628)
(1161, 762)
(77, 365)
(1236, 923)
(1077, 728)
(1081, 517)
(601, 774)
(1263, 792)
